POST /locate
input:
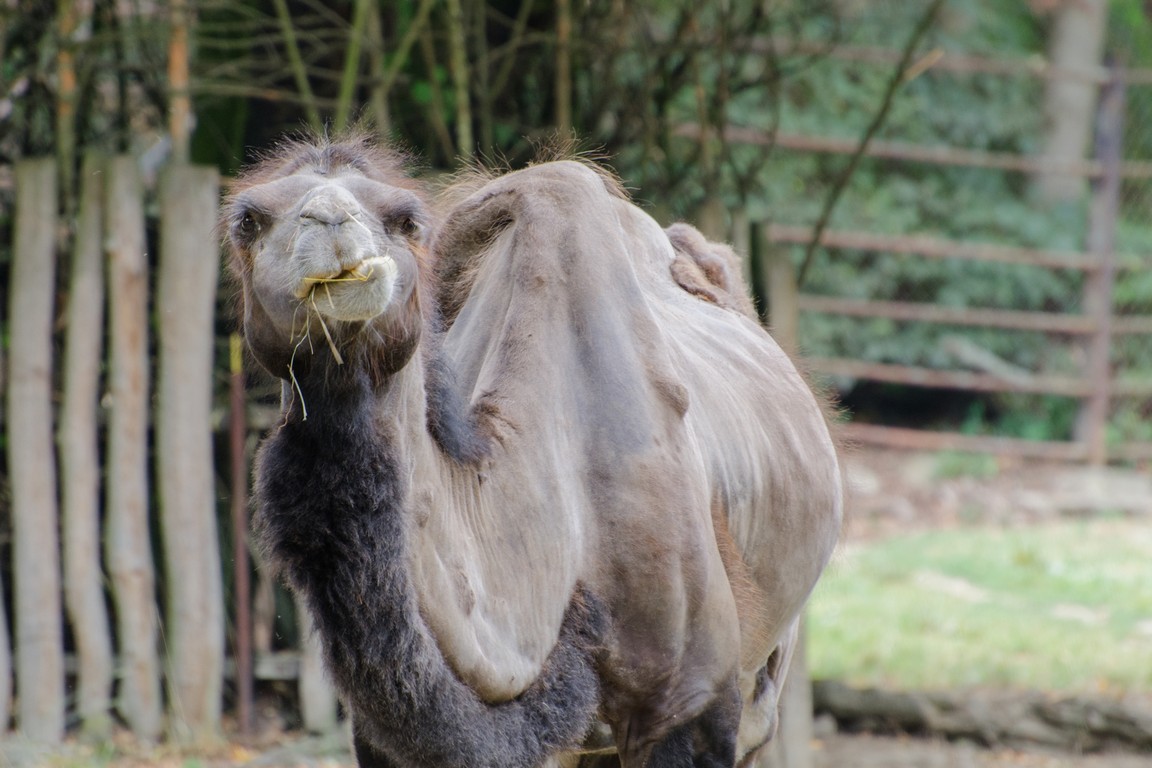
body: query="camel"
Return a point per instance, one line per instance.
(549, 491)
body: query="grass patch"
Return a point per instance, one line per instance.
(1062, 607)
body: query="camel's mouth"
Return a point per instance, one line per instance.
(355, 294)
(361, 273)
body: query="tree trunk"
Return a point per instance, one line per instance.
(31, 461)
(1075, 42)
(186, 303)
(80, 460)
(128, 549)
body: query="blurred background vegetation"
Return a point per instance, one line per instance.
(452, 80)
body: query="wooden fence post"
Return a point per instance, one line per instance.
(78, 444)
(317, 698)
(128, 548)
(711, 219)
(792, 745)
(185, 306)
(39, 632)
(742, 244)
(1092, 426)
(779, 276)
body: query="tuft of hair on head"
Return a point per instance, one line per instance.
(358, 148)
(565, 145)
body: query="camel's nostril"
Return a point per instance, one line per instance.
(332, 206)
(318, 213)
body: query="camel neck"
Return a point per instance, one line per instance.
(332, 503)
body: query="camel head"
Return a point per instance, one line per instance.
(327, 239)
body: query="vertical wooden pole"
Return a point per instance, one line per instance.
(179, 98)
(742, 244)
(78, 443)
(238, 439)
(128, 548)
(31, 462)
(781, 290)
(792, 747)
(67, 20)
(1092, 426)
(712, 219)
(317, 699)
(186, 306)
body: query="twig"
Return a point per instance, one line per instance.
(392, 71)
(297, 63)
(458, 57)
(515, 40)
(899, 77)
(563, 84)
(351, 65)
(436, 113)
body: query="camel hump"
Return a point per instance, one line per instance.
(708, 270)
(483, 207)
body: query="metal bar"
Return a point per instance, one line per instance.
(950, 379)
(1048, 322)
(934, 247)
(238, 433)
(924, 440)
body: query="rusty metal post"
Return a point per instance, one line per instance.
(1091, 427)
(238, 434)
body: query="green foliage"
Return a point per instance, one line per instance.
(1060, 607)
(836, 98)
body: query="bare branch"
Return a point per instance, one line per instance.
(297, 64)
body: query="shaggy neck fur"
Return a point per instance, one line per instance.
(332, 495)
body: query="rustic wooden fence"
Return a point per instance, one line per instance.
(86, 529)
(1094, 328)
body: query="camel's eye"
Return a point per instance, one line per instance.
(408, 226)
(404, 225)
(248, 227)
